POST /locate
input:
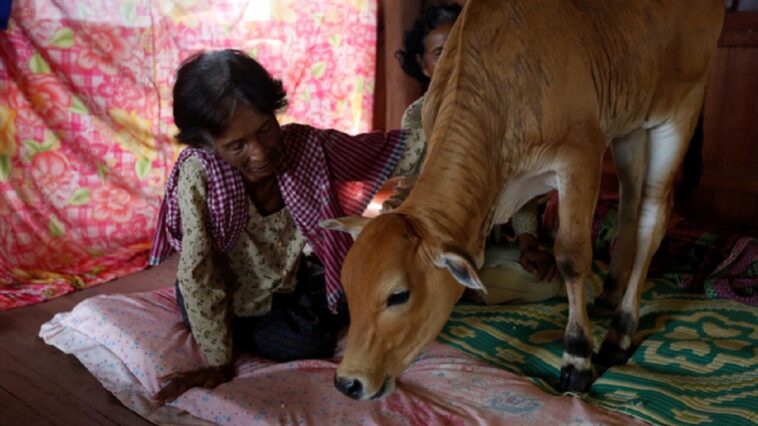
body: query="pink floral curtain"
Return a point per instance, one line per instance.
(85, 117)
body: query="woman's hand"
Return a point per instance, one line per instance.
(539, 263)
(180, 382)
(399, 194)
(535, 260)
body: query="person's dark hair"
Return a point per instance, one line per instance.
(210, 85)
(413, 41)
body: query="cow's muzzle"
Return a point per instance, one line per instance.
(353, 388)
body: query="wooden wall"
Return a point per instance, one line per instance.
(394, 90)
(727, 195)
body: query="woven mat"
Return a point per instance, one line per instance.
(697, 363)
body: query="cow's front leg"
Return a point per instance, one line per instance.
(578, 186)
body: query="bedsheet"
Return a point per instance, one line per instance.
(127, 341)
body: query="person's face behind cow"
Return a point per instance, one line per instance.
(434, 42)
(401, 287)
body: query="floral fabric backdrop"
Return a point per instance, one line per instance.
(85, 117)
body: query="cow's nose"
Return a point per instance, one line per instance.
(350, 387)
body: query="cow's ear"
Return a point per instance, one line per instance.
(461, 268)
(352, 224)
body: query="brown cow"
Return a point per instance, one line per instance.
(526, 98)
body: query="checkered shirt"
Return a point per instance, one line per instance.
(329, 174)
(227, 206)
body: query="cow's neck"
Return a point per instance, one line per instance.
(455, 199)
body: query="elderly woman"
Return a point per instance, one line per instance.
(241, 203)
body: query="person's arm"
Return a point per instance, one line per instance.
(203, 289)
(410, 163)
(532, 258)
(400, 192)
(415, 149)
(407, 170)
(359, 164)
(412, 158)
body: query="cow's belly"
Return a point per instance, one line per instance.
(519, 192)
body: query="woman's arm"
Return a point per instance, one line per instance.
(203, 289)
(407, 170)
(412, 159)
(415, 149)
(532, 258)
(200, 279)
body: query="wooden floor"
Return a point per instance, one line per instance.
(39, 385)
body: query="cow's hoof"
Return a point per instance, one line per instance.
(611, 354)
(575, 380)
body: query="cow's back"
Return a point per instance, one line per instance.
(527, 69)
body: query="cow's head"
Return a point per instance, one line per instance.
(401, 284)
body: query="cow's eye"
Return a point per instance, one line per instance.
(398, 298)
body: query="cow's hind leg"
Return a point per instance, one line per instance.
(578, 184)
(666, 147)
(630, 161)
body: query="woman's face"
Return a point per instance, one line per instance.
(433, 44)
(251, 143)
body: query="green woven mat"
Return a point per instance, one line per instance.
(697, 363)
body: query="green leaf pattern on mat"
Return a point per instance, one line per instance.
(690, 345)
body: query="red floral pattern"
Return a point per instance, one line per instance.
(85, 117)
